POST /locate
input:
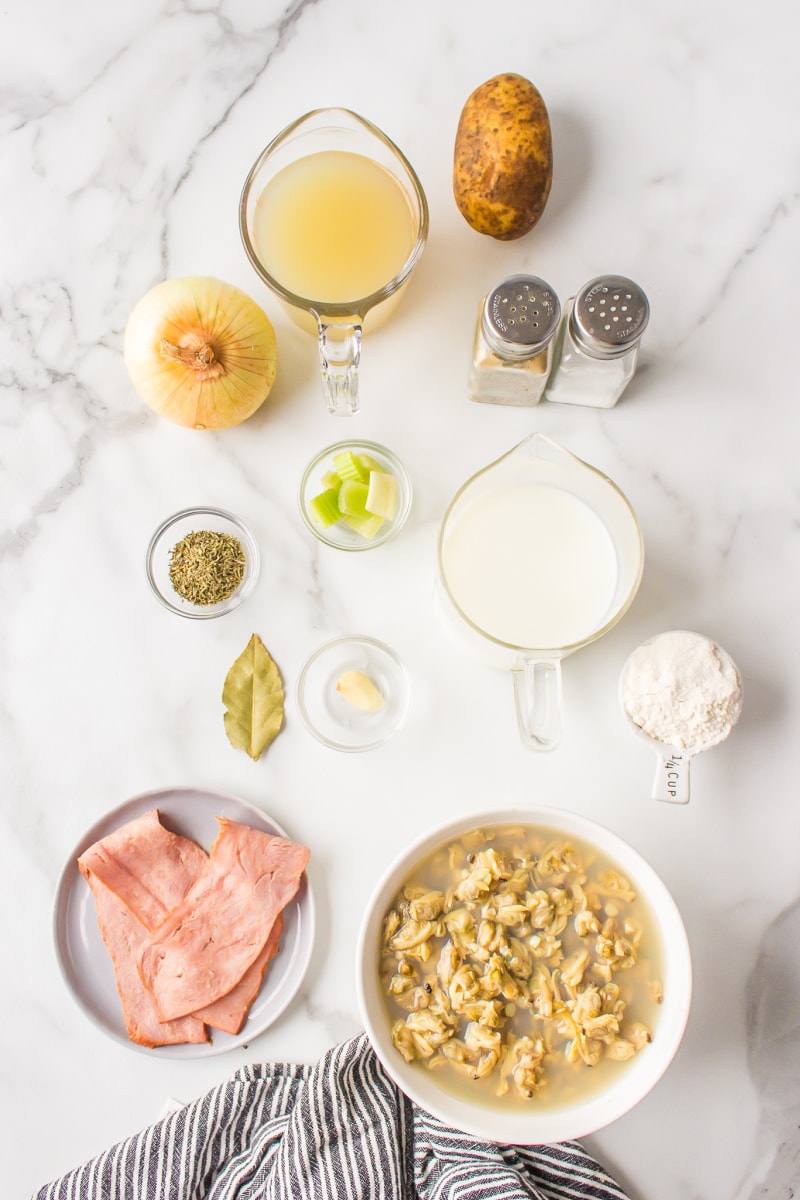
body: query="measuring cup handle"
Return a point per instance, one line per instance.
(671, 781)
(537, 692)
(339, 358)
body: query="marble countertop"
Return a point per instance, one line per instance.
(127, 132)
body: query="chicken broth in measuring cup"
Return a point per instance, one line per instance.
(521, 967)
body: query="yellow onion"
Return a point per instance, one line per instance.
(200, 352)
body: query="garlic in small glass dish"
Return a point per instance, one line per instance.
(353, 693)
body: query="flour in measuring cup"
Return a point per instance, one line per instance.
(682, 689)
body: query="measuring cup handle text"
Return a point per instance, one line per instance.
(537, 692)
(339, 357)
(671, 781)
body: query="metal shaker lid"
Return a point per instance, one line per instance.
(609, 316)
(520, 316)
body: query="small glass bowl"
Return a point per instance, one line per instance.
(333, 720)
(172, 531)
(341, 536)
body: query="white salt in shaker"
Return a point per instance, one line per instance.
(512, 350)
(595, 352)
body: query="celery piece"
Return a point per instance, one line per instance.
(367, 524)
(382, 495)
(347, 466)
(331, 480)
(353, 498)
(324, 508)
(368, 463)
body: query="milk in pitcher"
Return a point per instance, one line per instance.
(531, 565)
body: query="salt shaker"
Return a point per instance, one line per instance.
(597, 345)
(512, 350)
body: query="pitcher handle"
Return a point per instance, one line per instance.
(339, 357)
(537, 692)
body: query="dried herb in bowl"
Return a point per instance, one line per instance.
(206, 567)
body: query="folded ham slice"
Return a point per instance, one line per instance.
(228, 1013)
(129, 872)
(220, 929)
(150, 868)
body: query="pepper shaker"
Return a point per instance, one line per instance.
(512, 349)
(597, 345)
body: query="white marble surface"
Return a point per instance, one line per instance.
(126, 134)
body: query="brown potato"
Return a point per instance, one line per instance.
(503, 160)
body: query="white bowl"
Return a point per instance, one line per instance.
(636, 1077)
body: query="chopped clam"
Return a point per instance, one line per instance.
(638, 1034)
(411, 933)
(448, 964)
(558, 861)
(485, 1012)
(542, 992)
(544, 945)
(426, 907)
(519, 960)
(611, 883)
(586, 922)
(572, 968)
(464, 986)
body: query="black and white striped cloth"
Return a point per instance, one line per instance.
(340, 1130)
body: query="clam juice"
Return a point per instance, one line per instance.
(531, 565)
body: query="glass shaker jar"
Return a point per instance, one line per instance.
(598, 343)
(512, 349)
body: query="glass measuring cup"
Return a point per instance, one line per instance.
(538, 555)
(334, 220)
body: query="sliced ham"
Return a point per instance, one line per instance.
(228, 1013)
(123, 935)
(137, 874)
(147, 866)
(218, 931)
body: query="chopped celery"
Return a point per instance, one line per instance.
(324, 508)
(347, 466)
(358, 491)
(367, 524)
(353, 498)
(382, 495)
(368, 463)
(331, 480)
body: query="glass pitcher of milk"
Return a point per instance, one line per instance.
(538, 554)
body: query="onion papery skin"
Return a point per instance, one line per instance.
(183, 315)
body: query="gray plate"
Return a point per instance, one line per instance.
(84, 960)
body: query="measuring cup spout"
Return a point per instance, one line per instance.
(537, 693)
(339, 358)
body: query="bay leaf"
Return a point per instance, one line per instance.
(253, 697)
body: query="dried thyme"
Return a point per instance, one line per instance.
(206, 567)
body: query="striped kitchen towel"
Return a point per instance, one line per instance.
(340, 1130)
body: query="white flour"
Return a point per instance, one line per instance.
(682, 689)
